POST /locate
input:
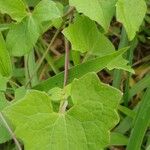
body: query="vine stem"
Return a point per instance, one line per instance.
(11, 132)
(64, 103)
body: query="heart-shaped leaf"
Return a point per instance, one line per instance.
(101, 11)
(131, 13)
(85, 37)
(85, 126)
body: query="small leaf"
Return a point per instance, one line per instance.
(56, 94)
(5, 61)
(84, 36)
(15, 8)
(131, 13)
(101, 11)
(85, 126)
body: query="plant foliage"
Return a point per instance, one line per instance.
(81, 114)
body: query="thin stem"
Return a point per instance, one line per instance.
(70, 11)
(11, 132)
(14, 83)
(145, 59)
(27, 72)
(43, 57)
(64, 103)
(48, 57)
(66, 61)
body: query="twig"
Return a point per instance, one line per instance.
(66, 61)
(64, 103)
(11, 132)
(14, 83)
(70, 11)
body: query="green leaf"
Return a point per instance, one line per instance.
(3, 101)
(5, 26)
(20, 93)
(5, 61)
(26, 34)
(3, 83)
(117, 138)
(30, 65)
(28, 31)
(53, 18)
(84, 36)
(84, 126)
(78, 71)
(15, 8)
(32, 2)
(46, 10)
(89, 88)
(56, 94)
(101, 11)
(4, 135)
(120, 63)
(131, 14)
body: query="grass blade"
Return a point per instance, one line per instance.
(95, 65)
(118, 73)
(142, 121)
(139, 86)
